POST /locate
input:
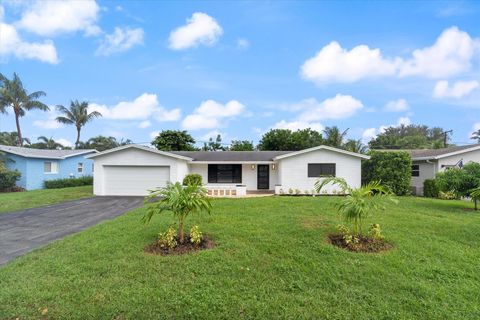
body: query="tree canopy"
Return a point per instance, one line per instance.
(214, 145)
(287, 140)
(174, 140)
(241, 145)
(102, 143)
(409, 137)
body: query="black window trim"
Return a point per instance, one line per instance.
(311, 175)
(415, 170)
(212, 173)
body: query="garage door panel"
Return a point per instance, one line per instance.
(134, 180)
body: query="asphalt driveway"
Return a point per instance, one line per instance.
(23, 231)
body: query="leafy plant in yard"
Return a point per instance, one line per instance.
(68, 182)
(192, 179)
(359, 202)
(475, 195)
(196, 235)
(430, 188)
(180, 200)
(167, 239)
(460, 181)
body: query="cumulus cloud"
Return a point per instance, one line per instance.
(122, 39)
(369, 134)
(143, 107)
(144, 124)
(458, 90)
(64, 142)
(398, 105)
(13, 45)
(339, 107)
(200, 29)
(48, 18)
(50, 122)
(450, 55)
(210, 114)
(298, 125)
(243, 43)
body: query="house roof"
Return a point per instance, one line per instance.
(140, 147)
(231, 156)
(295, 153)
(43, 153)
(433, 154)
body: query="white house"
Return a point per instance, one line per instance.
(427, 162)
(133, 169)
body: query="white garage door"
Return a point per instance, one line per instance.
(134, 181)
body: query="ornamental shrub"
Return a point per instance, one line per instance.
(430, 188)
(8, 179)
(196, 235)
(167, 239)
(68, 182)
(192, 179)
(393, 169)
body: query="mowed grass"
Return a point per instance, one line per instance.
(272, 260)
(36, 198)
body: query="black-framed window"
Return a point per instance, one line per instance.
(224, 173)
(316, 170)
(415, 170)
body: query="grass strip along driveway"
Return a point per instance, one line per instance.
(30, 199)
(272, 260)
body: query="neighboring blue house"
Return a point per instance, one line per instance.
(38, 165)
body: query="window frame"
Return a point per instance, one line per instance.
(311, 175)
(415, 172)
(80, 167)
(53, 167)
(213, 173)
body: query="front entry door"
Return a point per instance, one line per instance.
(263, 176)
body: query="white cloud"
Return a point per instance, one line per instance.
(122, 39)
(47, 124)
(243, 43)
(209, 114)
(144, 124)
(458, 90)
(398, 105)
(338, 107)
(154, 134)
(298, 125)
(64, 142)
(369, 134)
(200, 29)
(13, 45)
(212, 134)
(48, 18)
(143, 107)
(404, 121)
(450, 55)
(335, 64)
(476, 126)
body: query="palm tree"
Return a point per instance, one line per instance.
(333, 136)
(77, 115)
(11, 139)
(47, 143)
(355, 146)
(475, 195)
(181, 200)
(359, 202)
(13, 94)
(476, 135)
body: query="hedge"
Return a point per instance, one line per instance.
(392, 168)
(430, 188)
(8, 179)
(192, 179)
(68, 182)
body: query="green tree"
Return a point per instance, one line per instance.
(460, 181)
(11, 139)
(174, 140)
(77, 115)
(47, 143)
(359, 202)
(214, 145)
(334, 137)
(14, 95)
(355, 146)
(409, 137)
(182, 201)
(476, 135)
(286, 140)
(241, 145)
(102, 143)
(392, 169)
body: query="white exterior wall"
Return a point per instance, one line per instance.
(249, 176)
(135, 157)
(427, 171)
(472, 156)
(293, 171)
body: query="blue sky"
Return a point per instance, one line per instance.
(241, 68)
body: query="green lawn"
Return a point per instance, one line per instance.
(30, 199)
(272, 261)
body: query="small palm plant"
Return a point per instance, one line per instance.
(359, 203)
(475, 195)
(180, 200)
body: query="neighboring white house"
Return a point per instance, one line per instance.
(427, 162)
(132, 170)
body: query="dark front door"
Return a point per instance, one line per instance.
(263, 176)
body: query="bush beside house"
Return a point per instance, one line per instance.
(69, 182)
(192, 179)
(430, 188)
(392, 169)
(8, 178)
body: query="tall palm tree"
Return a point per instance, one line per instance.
(77, 115)
(14, 95)
(333, 136)
(11, 139)
(355, 146)
(47, 143)
(476, 135)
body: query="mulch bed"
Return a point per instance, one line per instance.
(180, 249)
(365, 244)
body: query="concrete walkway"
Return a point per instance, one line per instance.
(23, 231)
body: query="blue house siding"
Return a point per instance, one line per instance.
(32, 169)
